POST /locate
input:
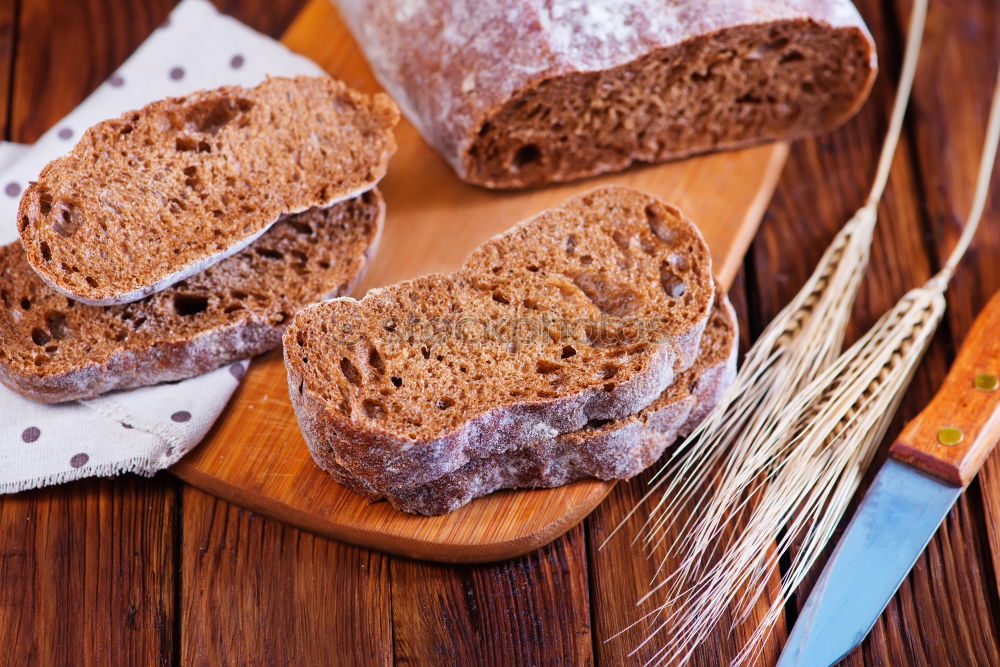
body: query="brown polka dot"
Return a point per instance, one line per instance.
(237, 61)
(177, 73)
(237, 371)
(79, 460)
(65, 133)
(116, 80)
(31, 434)
(181, 416)
(12, 189)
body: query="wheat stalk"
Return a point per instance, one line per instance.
(831, 429)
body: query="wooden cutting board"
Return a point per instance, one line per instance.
(255, 455)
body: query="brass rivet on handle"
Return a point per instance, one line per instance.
(949, 436)
(987, 382)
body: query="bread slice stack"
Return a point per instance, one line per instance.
(577, 344)
(184, 235)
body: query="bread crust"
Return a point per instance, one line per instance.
(454, 65)
(172, 188)
(176, 355)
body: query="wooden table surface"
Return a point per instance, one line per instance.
(137, 571)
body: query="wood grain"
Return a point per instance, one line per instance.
(529, 611)
(255, 591)
(256, 456)
(88, 574)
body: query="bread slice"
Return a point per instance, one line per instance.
(56, 349)
(517, 93)
(159, 194)
(618, 449)
(583, 312)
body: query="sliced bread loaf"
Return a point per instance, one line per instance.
(583, 312)
(514, 93)
(616, 449)
(56, 349)
(158, 194)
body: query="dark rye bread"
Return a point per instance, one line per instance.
(582, 312)
(618, 449)
(515, 93)
(159, 194)
(56, 349)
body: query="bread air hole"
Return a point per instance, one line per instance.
(444, 403)
(211, 115)
(659, 226)
(396, 381)
(56, 322)
(567, 352)
(43, 247)
(673, 285)
(500, 298)
(67, 219)
(525, 156)
(373, 409)
(544, 367)
(301, 227)
(350, 371)
(187, 305)
(39, 336)
(269, 253)
(610, 298)
(376, 362)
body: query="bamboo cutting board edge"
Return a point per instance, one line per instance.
(254, 455)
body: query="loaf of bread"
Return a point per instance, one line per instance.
(616, 449)
(159, 194)
(517, 93)
(584, 312)
(56, 349)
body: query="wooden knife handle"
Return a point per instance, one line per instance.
(953, 435)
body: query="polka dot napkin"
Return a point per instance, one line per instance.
(147, 429)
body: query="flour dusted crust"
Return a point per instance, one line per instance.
(56, 349)
(523, 92)
(163, 192)
(399, 408)
(618, 449)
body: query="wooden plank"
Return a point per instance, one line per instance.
(88, 572)
(529, 611)
(270, 17)
(941, 614)
(8, 31)
(256, 456)
(951, 114)
(93, 561)
(52, 76)
(254, 591)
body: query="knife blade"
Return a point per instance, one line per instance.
(935, 457)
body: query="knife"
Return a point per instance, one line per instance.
(936, 456)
